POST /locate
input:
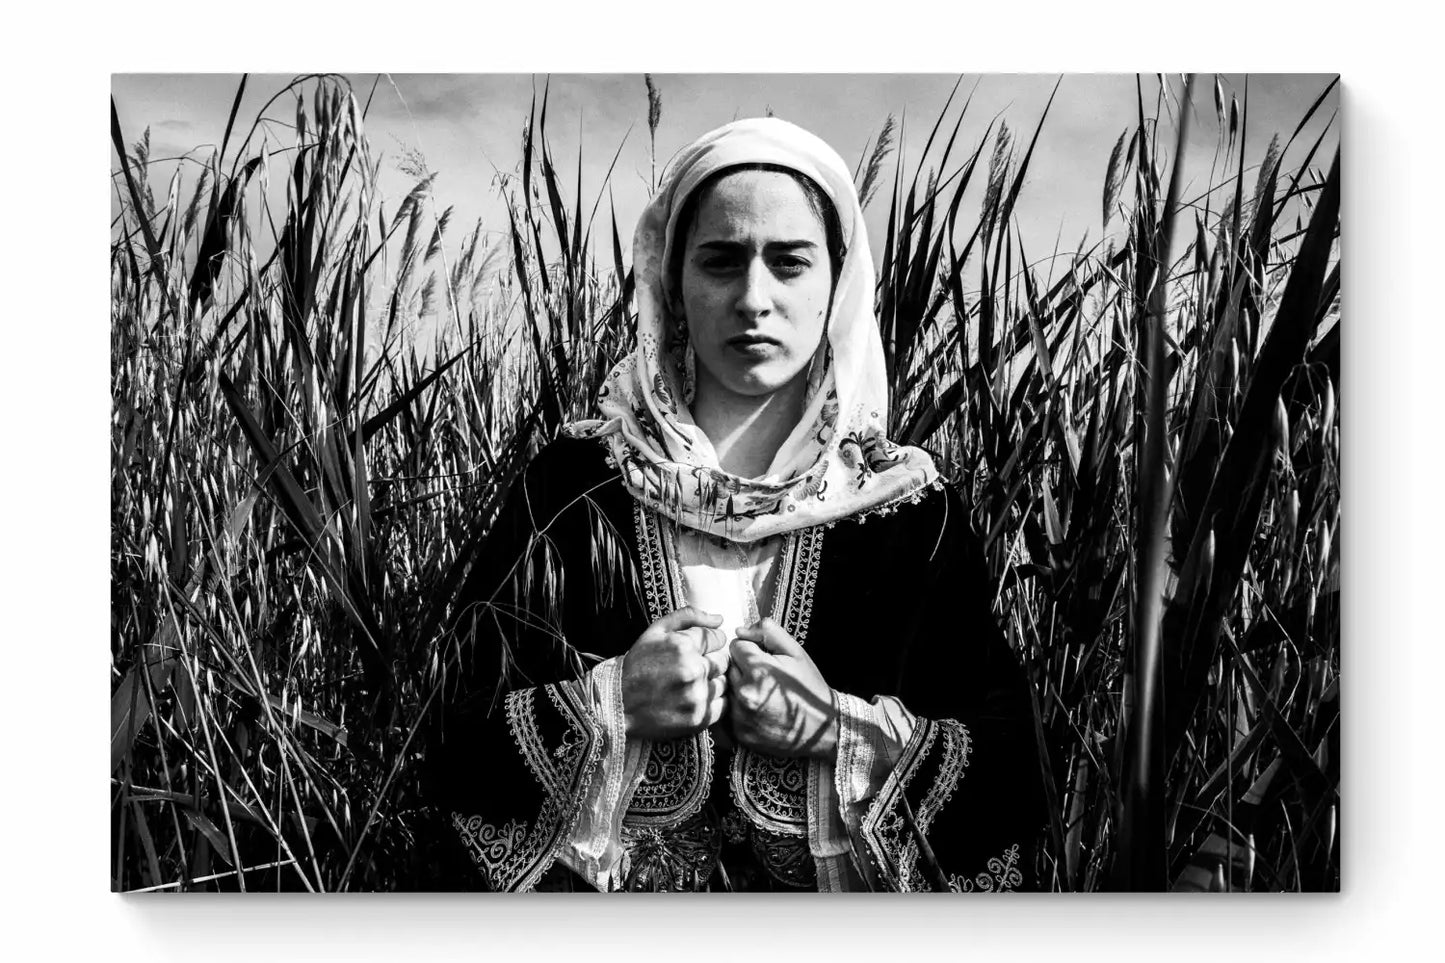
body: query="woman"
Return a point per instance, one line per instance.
(728, 635)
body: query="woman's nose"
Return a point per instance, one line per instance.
(755, 298)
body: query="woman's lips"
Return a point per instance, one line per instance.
(753, 344)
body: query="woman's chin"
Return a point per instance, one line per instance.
(759, 381)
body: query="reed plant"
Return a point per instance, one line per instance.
(1147, 430)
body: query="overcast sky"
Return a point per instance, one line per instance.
(469, 126)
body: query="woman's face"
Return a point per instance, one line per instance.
(756, 282)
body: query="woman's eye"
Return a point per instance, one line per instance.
(790, 266)
(784, 266)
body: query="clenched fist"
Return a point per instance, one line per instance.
(780, 703)
(675, 675)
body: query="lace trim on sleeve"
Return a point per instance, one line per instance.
(827, 834)
(594, 848)
(858, 750)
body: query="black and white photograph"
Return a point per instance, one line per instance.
(725, 483)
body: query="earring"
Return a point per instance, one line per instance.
(689, 373)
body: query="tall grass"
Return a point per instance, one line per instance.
(1148, 430)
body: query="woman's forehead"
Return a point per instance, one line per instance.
(756, 202)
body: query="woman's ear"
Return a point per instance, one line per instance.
(689, 374)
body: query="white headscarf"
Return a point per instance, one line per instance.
(837, 461)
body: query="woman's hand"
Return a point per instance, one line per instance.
(674, 676)
(779, 703)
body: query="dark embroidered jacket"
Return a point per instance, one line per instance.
(896, 603)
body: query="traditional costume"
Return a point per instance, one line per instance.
(851, 543)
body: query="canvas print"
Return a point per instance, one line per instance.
(725, 483)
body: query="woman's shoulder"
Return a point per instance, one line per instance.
(585, 456)
(928, 519)
(567, 469)
(939, 502)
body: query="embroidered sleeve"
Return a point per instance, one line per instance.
(572, 738)
(963, 804)
(892, 767)
(894, 829)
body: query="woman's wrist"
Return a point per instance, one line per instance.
(825, 746)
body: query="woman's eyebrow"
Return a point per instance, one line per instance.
(723, 245)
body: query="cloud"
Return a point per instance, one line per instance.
(432, 97)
